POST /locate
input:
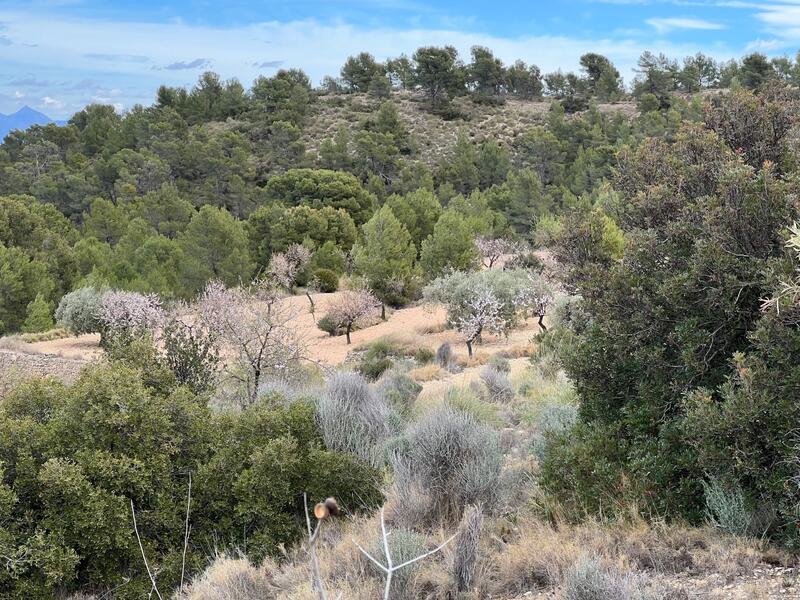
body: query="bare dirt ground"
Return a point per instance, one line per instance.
(421, 324)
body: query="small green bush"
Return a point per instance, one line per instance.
(327, 281)
(39, 316)
(328, 326)
(424, 355)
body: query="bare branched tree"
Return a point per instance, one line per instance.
(351, 308)
(492, 249)
(254, 327)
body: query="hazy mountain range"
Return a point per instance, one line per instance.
(22, 119)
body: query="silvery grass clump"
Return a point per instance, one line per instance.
(552, 418)
(353, 418)
(728, 509)
(498, 386)
(446, 461)
(399, 389)
(589, 579)
(465, 548)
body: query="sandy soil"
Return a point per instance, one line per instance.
(422, 324)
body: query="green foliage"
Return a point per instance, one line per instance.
(451, 246)
(326, 280)
(321, 187)
(702, 235)
(215, 247)
(39, 317)
(74, 458)
(79, 311)
(385, 257)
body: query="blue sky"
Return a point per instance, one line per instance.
(58, 55)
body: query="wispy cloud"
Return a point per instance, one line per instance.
(666, 24)
(30, 82)
(197, 63)
(268, 64)
(118, 57)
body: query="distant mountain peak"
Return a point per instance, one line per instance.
(22, 119)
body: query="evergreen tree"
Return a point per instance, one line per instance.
(385, 257)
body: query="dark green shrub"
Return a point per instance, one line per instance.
(328, 326)
(327, 281)
(424, 355)
(73, 458)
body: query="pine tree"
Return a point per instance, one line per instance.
(385, 257)
(39, 316)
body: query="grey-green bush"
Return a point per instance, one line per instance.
(353, 418)
(79, 311)
(498, 386)
(453, 459)
(465, 547)
(589, 579)
(399, 390)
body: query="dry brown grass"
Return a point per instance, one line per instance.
(514, 558)
(431, 372)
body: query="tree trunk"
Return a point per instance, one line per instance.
(541, 323)
(383, 311)
(347, 334)
(469, 348)
(313, 307)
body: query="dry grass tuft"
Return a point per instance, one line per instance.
(429, 372)
(231, 579)
(45, 336)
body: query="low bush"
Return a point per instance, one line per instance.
(327, 325)
(451, 457)
(326, 280)
(72, 459)
(444, 356)
(498, 387)
(353, 418)
(500, 363)
(589, 579)
(399, 390)
(80, 311)
(381, 355)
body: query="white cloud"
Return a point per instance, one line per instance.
(67, 51)
(664, 25)
(49, 102)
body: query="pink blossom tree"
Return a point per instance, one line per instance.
(492, 249)
(254, 328)
(130, 313)
(483, 311)
(536, 297)
(351, 308)
(284, 267)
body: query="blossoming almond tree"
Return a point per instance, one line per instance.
(254, 327)
(350, 308)
(130, 313)
(482, 312)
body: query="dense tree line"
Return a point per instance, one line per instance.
(209, 183)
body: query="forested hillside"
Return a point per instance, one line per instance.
(598, 395)
(149, 197)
